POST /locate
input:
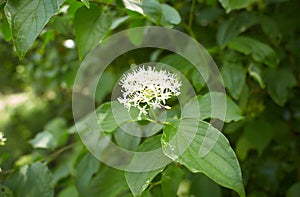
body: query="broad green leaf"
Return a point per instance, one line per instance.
(86, 3)
(6, 30)
(270, 28)
(234, 77)
(69, 191)
(256, 73)
(202, 186)
(279, 82)
(230, 5)
(177, 62)
(139, 181)
(170, 16)
(27, 19)
(242, 148)
(234, 26)
(85, 169)
(32, 180)
(294, 190)
(259, 134)
(55, 135)
(125, 140)
(153, 10)
(90, 27)
(260, 52)
(106, 118)
(108, 182)
(170, 180)
(233, 113)
(105, 85)
(220, 163)
(137, 36)
(197, 80)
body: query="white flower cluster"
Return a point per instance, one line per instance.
(146, 87)
(2, 139)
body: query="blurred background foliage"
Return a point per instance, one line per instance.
(255, 44)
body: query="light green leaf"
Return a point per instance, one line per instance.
(234, 77)
(139, 181)
(279, 82)
(32, 180)
(27, 19)
(256, 73)
(109, 182)
(69, 191)
(133, 5)
(230, 5)
(90, 27)
(260, 52)
(232, 113)
(294, 190)
(137, 36)
(153, 10)
(6, 30)
(170, 180)
(234, 26)
(86, 3)
(85, 169)
(170, 16)
(220, 163)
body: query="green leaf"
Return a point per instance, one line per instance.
(139, 181)
(86, 3)
(170, 180)
(234, 77)
(90, 27)
(170, 16)
(220, 163)
(279, 82)
(256, 73)
(230, 5)
(55, 135)
(32, 180)
(242, 148)
(105, 85)
(270, 28)
(137, 35)
(69, 191)
(153, 10)
(27, 19)
(85, 169)
(232, 113)
(109, 182)
(234, 26)
(6, 30)
(260, 52)
(133, 5)
(294, 190)
(204, 187)
(125, 140)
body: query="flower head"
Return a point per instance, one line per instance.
(146, 88)
(2, 139)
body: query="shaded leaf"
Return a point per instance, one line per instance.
(234, 77)
(32, 180)
(234, 26)
(170, 180)
(230, 5)
(204, 187)
(279, 82)
(260, 52)
(27, 19)
(294, 190)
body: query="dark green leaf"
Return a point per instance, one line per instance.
(294, 190)
(234, 26)
(230, 5)
(139, 181)
(170, 180)
(260, 52)
(220, 163)
(32, 180)
(270, 28)
(27, 19)
(85, 169)
(69, 191)
(109, 182)
(204, 187)
(234, 77)
(279, 82)
(90, 27)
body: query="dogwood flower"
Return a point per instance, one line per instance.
(146, 88)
